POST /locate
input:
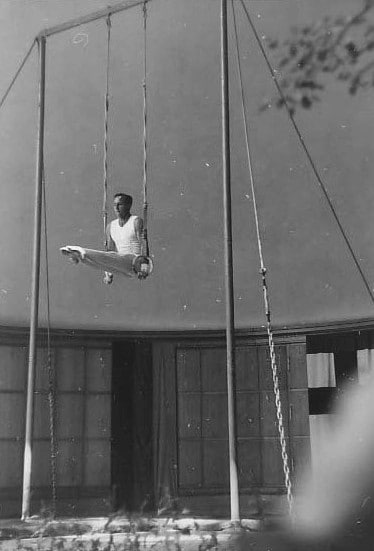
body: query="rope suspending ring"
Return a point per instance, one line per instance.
(145, 244)
(143, 264)
(106, 134)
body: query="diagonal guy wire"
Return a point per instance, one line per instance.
(308, 154)
(2, 101)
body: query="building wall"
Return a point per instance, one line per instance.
(189, 452)
(192, 462)
(83, 403)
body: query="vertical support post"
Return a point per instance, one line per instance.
(229, 287)
(27, 460)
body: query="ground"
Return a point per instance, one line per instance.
(137, 534)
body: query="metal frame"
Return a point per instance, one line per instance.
(100, 14)
(41, 40)
(27, 461)
(230, 327)
(229, 276)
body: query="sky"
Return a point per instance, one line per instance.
(311, 276)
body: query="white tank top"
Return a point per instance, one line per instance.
(125, 237)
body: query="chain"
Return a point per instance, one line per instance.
(52, 428)
(278, 403)
(51, 371)
(274, 368)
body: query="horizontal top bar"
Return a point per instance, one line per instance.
(100, 14)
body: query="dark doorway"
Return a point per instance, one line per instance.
(132, 474)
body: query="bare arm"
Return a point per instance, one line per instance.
(139, 228)
(108, 276)
(110, 243)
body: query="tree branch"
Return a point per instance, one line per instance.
(369, 4)
(363, 70)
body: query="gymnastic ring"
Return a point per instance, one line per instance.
(142, 266)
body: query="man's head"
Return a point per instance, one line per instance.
(122, 204)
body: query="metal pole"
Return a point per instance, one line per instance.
(229, 287)
(27, 460)
(85, 19)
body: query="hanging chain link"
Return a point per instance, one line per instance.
(273, 361)
(51, 371)
(278, 403)
(52, 428)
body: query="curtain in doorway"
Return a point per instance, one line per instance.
(321, 370)
(321, 375)
(165, 452)
(365, 365)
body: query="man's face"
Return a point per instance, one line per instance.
(121, 207)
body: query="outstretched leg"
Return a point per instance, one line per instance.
(107, 261)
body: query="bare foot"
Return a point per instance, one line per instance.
(73, 256)
(108, 278)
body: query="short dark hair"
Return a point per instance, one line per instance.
(127, 198)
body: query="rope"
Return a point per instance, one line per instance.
(274, 367)
(51, 372)
(106, 134)
(308, 154)
(145, 244)
(6, 93)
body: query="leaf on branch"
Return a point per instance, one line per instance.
(306, 30)
(344, 75)
(284, 61)
(308, 84)
(272, 44)
(354, 87)
(322, 55)
(306, 102)
(352, 49)
(280, 102)
(359, 20)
